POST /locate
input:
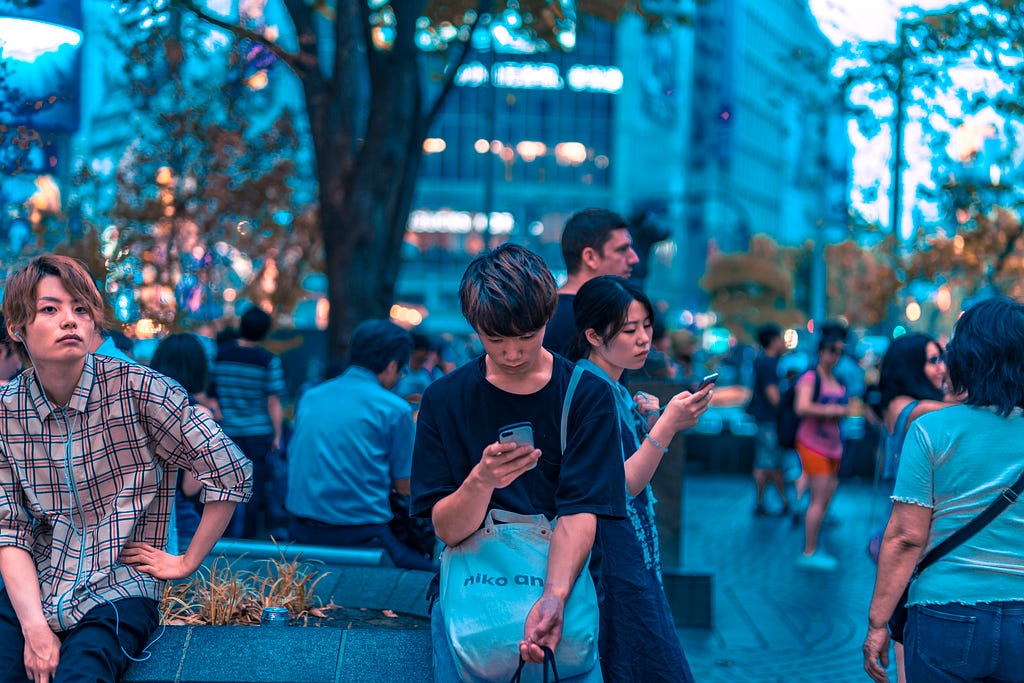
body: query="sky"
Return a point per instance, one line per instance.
(851, 21)
(865, 19)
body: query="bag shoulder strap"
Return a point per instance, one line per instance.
(903, 419)
(577, 372)
(994, 509)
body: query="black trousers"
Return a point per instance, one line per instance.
(93, 651)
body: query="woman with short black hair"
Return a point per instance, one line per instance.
(966, 611)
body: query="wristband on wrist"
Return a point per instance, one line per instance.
(664, 449)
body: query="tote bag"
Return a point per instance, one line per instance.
(489, 583)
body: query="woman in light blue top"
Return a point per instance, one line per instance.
(966, 611)
(638, 640)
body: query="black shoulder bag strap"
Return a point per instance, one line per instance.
(994, 509)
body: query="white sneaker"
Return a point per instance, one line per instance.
(818, 561)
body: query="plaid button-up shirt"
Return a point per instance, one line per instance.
(77, 483)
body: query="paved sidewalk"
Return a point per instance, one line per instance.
(774, 623)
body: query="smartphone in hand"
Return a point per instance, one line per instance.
(708, 379)
(520, 433)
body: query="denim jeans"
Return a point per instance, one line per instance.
(445, 670)
(954, 642)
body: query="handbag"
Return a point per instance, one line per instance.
(490, 582)
(549, 662)
(898, 620)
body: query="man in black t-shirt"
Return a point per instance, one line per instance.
(460, 471)
(764, 402)
(594, 242)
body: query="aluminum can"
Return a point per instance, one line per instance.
(274, 616)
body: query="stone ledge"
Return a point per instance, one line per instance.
(258, 654)
(233, 548)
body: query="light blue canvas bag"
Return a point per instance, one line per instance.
(489, 583)
(491, 580)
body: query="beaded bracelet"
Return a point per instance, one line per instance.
(664, 449)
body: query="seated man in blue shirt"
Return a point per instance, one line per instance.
(352, 443)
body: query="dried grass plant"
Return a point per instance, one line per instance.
(221, 594)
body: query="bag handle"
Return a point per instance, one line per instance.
(577, 372)
(549, 660)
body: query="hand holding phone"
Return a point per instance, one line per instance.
(708, 379)
(520, 433)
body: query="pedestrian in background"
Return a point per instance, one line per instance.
(638, 640)
(183, 358)
(763, 408)
(351, 446)
(248, 384)
(965, 618)
(820, 402)
(594, 242)
(419, 372)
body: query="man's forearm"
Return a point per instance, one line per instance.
(276, 414)
(215, 519)
(459, 514)
(21, 580)
(571, 542)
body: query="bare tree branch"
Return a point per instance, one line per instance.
(289, 58)
(453, 71)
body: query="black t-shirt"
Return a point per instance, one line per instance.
(461, 413)
(562, 329)
(766, 374)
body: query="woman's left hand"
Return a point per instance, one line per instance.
(648, 405)
(156, 563)
(876, 653)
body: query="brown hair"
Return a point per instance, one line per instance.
(20, 290)
(508, 292)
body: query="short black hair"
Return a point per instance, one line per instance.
(588, 228)
(255, 324)
(985, 357)
(768, 333)
(375, 343)
(602, 304)
(182, 358)
(902, 371)
(832, 332)
(508, 292)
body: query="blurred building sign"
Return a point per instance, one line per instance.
(541, 76)
(460, 222)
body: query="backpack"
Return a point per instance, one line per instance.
(786, 419)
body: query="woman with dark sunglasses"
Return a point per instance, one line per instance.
(820, 402)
